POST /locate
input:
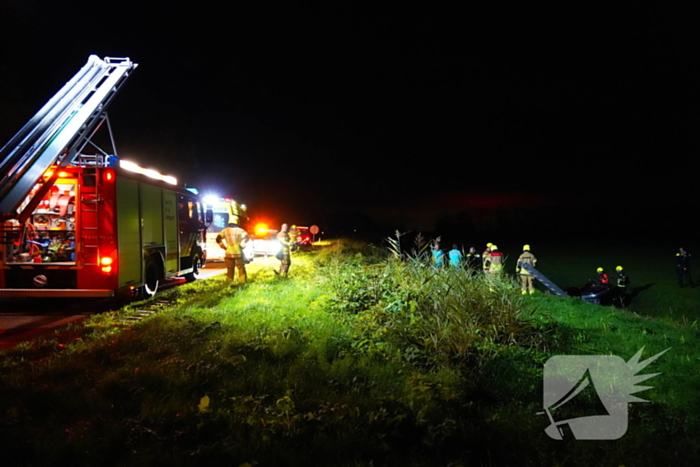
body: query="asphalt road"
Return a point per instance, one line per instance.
(26, 319)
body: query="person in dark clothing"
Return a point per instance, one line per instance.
(473, 259)
(621, 283)
(683, 267)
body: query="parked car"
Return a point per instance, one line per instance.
(265, 243)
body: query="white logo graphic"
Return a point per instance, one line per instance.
(597, 389)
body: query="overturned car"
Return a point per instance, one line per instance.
(595, 293)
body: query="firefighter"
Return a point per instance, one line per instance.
(294, 238)
(234, 239)
(683, 267)
(526, 278)
(293, 234)
(455, 257)
(285, 253)
(486, 258)
(602, 278)
(495, 265)
(621, 283)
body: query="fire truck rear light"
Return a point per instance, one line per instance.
(106, 263)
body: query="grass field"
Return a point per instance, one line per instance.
(355, 359)
(654, 288)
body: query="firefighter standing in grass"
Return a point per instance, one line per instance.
(285, 253)
(294, 238)
(621, 282)
(602, 278)
(486, 258)
(495, 264)
(526, 278)
(233, 239)
(293, 234)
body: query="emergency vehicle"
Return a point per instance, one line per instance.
(265, 241)
(74, 225)
(300, 235)
(225, 210)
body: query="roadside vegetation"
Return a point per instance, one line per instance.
(363, 356)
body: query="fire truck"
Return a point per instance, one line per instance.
(300, 235)
(76, 225)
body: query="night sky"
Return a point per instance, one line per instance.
(545, 122)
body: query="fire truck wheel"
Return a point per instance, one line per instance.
(196, 265)
(150, 287)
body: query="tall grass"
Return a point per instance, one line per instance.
(450, 313)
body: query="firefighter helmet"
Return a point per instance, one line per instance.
(526, 247)
(618, 269)
(599, 270)
(494, 247)
(489, 245)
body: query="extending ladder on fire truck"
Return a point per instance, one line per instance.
(54, 136)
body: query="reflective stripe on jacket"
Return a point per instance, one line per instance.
(526, 258)
(236, 239)
(496, 261)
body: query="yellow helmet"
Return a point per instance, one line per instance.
(494, 247)
(526, 247)
(599, 270)
(489, 245)
(618, 269)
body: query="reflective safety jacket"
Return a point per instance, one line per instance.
(496, 261)
(525, 258)
(486, 259)
(234, 240)
(473, 260)
(623, 280)
(285, 241)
